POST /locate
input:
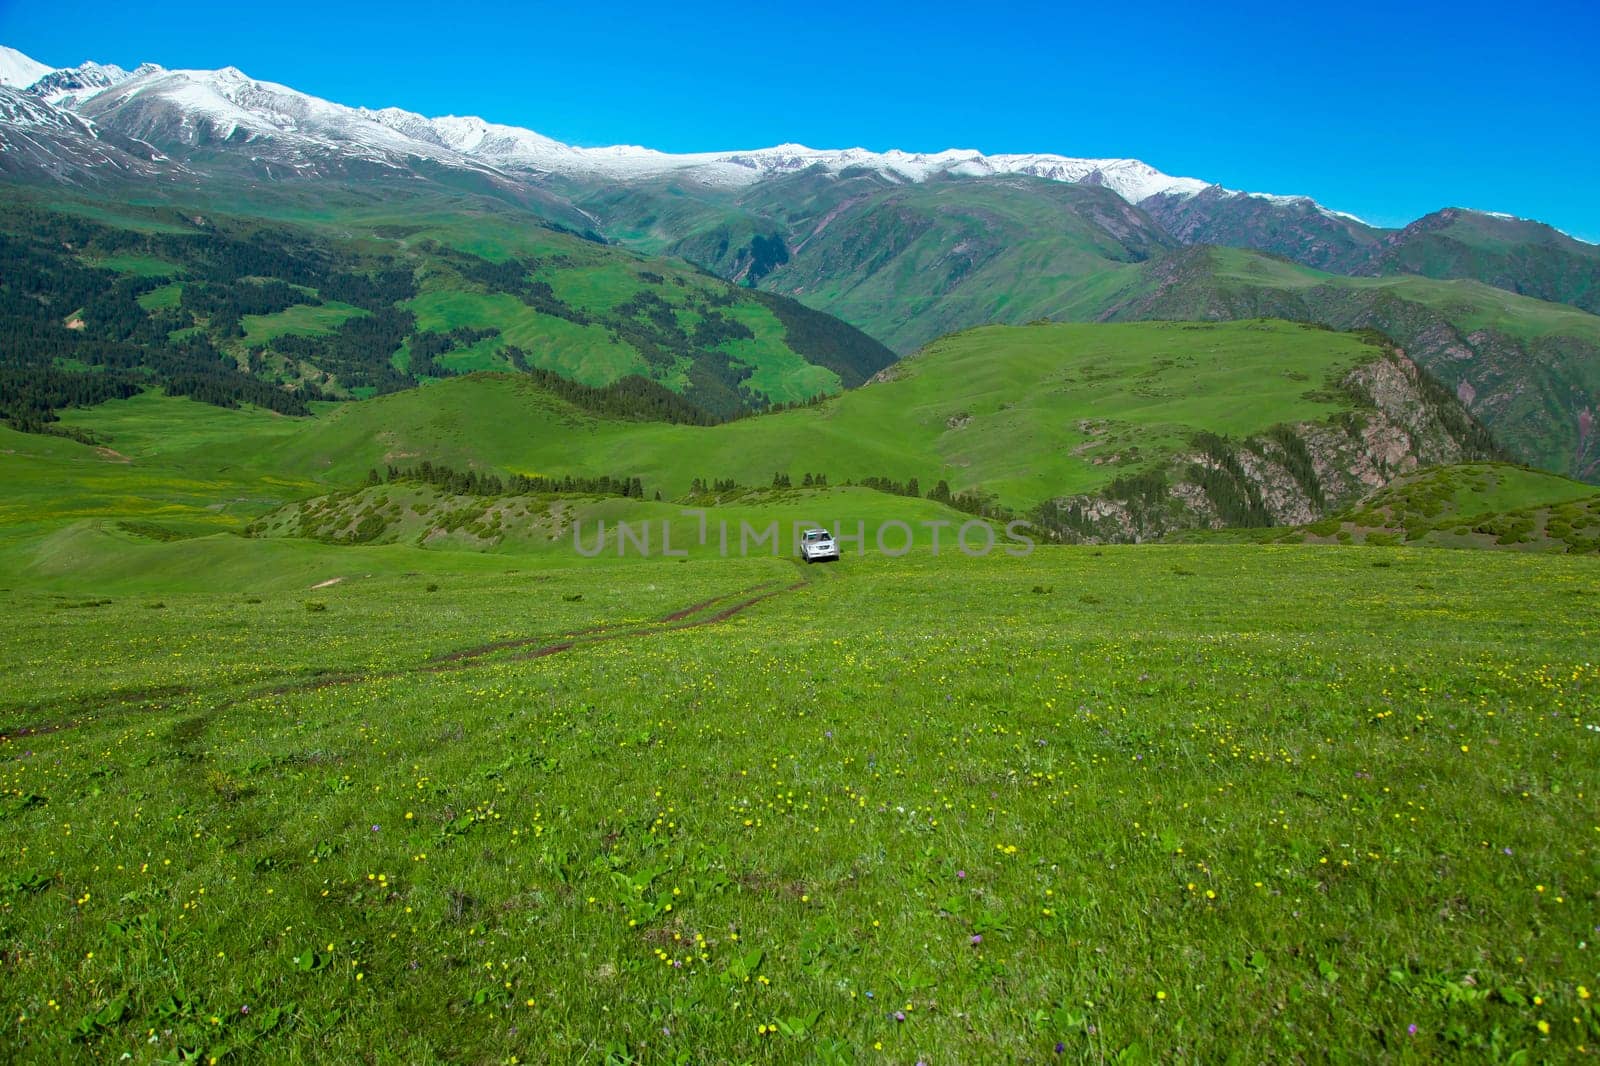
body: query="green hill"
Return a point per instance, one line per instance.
(906, 263)
(1497, 308)
(1476, 506)
(359, 299)
(1144, 426)
(1529, 369)
(1515, 254)
(1021, 412)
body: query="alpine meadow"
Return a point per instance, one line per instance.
(474, 598)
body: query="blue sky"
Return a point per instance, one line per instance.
(1385, 110)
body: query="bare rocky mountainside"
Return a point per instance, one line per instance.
(1292, 474)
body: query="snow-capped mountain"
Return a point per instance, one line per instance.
(226, 108)
(19, 71)
(284, 133)
(65, 87)
(39, 139)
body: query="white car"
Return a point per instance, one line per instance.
(817, 545)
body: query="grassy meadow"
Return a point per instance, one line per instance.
(461, 793)
(1154, 803)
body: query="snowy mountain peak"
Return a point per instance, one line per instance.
(305, 133)
(20, 71)
(65, 87)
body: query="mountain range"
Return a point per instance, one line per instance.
(905, 246)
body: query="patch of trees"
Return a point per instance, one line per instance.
(74, 335)
(1235, 497)
(700, 486)
(899, 488)
(827, 341)
(514, 277)
(973, 501)
(359, 351)
(1296, 458)
(793, 405)
(767, 253)
(716, 384)
(1145, 494)
(582, 234)
(472, 483)
(228, 272)
(650, 324)
(224, 304)
(632, 397)
(225, 387)
(427, 346)
(30, 397)
(114, 313)
(714, 329)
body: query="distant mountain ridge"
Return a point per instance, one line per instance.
(288, 134)
(904, 246)
(204, 107)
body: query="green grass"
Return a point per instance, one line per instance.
(1468, 305)
(166, 296)
(1049, 409)
(141, 266)
(1480, 488)
(123, 215)
(1484, 505)
(583, 353)
(177, 462)
(405, 512)
(461, 793)
(1176, 803)
(299, 319)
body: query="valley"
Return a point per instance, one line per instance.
(409, 657)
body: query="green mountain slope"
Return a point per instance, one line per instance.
(1529, 369)
(1296, 229)
(357, 299)
(911, 262)
(906, 263)
(1129, 423)
(1515, 254)
(1023, 413)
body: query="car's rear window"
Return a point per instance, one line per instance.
(818, 534)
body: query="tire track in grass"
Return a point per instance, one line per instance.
(690, 617)
(568, 639)
(674, 623)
